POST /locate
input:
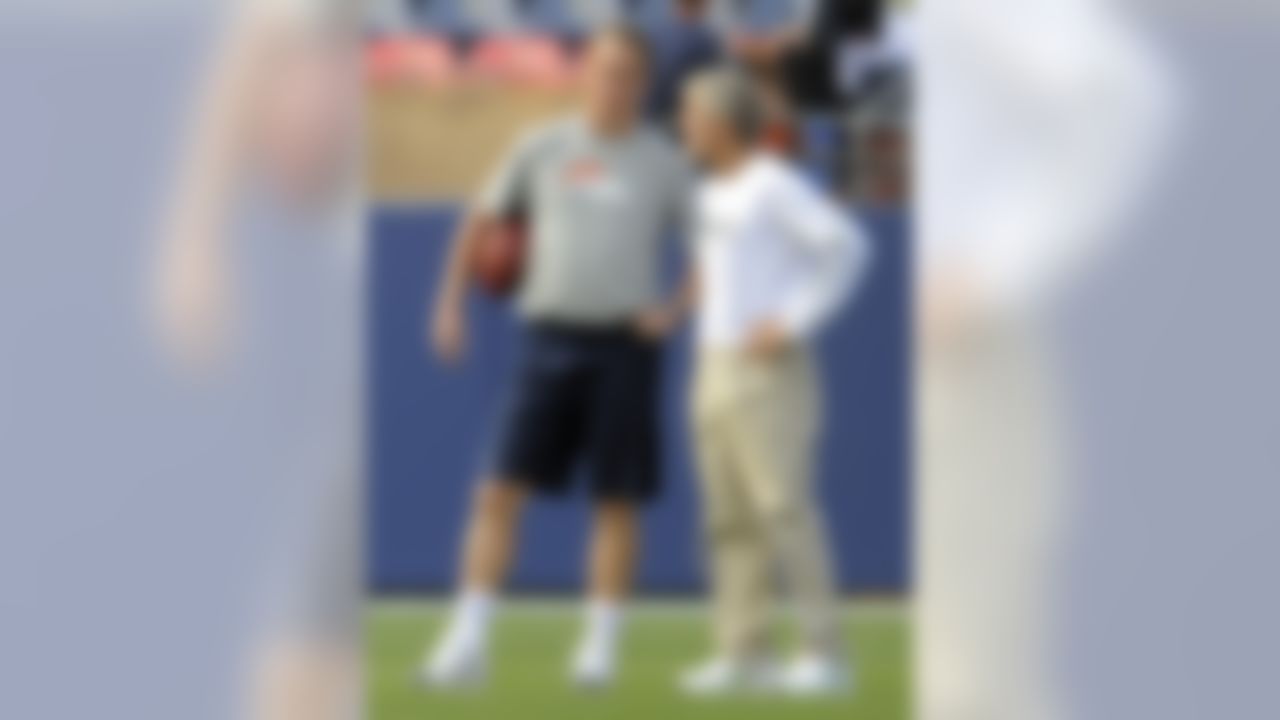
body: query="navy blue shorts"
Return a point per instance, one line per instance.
(584, 397)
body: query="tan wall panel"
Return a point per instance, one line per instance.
(439, 144)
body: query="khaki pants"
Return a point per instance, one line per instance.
(756, 425)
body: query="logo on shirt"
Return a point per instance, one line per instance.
(591, 176)
(585, 171)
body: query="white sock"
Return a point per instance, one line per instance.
(604, 625)
(472, 616)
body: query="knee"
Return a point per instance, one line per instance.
(615, 513)
(723, 526)
(781, 514)
(498, 500)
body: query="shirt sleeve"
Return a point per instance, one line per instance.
(508, 191)
(837, 254)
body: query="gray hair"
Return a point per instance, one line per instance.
(731, 94)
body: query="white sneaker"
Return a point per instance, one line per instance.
(457, 662)
(723, 676)
(593, 666)
(816, 676)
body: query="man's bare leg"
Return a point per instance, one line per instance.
(611, 570)
(460, 657)
(491, 536)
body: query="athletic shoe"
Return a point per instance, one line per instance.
(458, 662)
(724, 676)
(593, 666)
(817, 676)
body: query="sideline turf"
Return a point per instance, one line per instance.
(532, 647)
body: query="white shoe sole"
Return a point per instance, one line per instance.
(468, 678)
(829, 689)
(738, 688)
(591, 684)
(590, 680)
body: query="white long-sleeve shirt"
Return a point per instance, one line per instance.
(770, 246)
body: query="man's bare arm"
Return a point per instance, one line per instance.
(449, 316)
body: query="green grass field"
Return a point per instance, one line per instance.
(532, 648)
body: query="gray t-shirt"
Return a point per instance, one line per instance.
(599, 213)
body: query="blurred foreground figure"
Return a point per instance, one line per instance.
(776, 261)
(258, 303)
(1040, 121)
(601, 193)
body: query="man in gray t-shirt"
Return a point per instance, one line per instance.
(600, 193)
(600, 209)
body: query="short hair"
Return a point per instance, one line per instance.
(731, 94)
(628, 35)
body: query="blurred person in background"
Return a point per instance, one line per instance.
(776, 262)
(601, 193)
(684, 41)
(877, 169)
(847, 63)
(691, 37)
(812, 48)
(780, 129)
(874, 76)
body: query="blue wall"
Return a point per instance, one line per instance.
(430, 428)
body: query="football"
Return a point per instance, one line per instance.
(499, 257)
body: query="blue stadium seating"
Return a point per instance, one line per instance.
(563, 17)
(444, 16)
(553, 16)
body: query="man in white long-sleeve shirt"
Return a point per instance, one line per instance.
(776, 261)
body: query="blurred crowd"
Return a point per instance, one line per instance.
(836, 74)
